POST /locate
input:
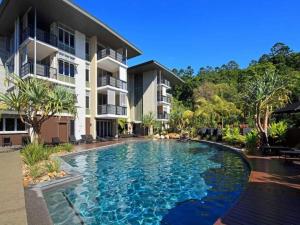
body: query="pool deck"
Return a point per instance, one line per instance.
(12, 203)
(271, 197)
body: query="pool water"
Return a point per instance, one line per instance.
(140, 182)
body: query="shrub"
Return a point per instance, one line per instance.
(233, 136)
(277, 131)
(34, 153)
(53, 166)
(36, 171)
(252, 140)
(61, 148)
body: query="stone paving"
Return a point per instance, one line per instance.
(12, 203)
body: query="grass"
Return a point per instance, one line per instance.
(53, 166)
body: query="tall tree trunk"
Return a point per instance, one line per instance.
(35, 134)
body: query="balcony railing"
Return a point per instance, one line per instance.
(112, 54)
(112, 109)
(163, 116)
(111, 81)
(66, 48)
(41, 70)
(166, 99)
(163, 81)
(41, 35)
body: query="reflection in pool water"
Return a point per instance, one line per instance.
(139, 182)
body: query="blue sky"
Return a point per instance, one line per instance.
(199, 33)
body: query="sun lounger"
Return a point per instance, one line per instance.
(55, 141)
(291, 152)
(72, 140)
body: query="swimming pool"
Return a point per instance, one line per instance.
(140, 182)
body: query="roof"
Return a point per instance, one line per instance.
(69, 14)
(152, 65)
(291, 108)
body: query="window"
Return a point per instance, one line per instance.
(87, 75)
(1, 124)
(67, 40)
(66, 68)
(87, 48)
(72, 127)
(20, 125)
(87, 102)
(61, 35)
(72, 70)
(9, 124)
(60, 67)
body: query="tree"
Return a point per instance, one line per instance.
(148, 122)
(122, 124)
(36, 101)
(265, 91)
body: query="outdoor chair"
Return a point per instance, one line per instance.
(6, 142)
(101, 139)
(55, 141)
(72, 140)
(89, 139)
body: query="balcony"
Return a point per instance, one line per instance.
(163, 116)
(40, 35)
(110, 60)
(45, 71)
(164, 99)
(41, 70)
(112, 110)
(108, 80)
(66, 48)
(163, 82)
(46, 44)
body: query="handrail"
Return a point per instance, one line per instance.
(163, 116)
(41, 35)
(111, 81)
(108, 52)
(41, 70)
(112, 109)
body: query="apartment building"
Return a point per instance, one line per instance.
(150, 84)
(59, 42)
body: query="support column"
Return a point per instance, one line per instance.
(34, 66)
(16, 47)
(93, 82)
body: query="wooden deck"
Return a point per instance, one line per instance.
(272, 196)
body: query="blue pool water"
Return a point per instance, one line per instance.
(141, 182)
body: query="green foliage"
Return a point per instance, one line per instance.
(278, 130)
(37, 100)
(252, 140)
(233, 136)
(67, 147)
(53, 166)
(34, 153)
(122, 124)
(36, 171)
(149, 121)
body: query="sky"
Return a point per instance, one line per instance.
(201, 33)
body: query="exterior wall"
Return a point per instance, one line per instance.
(80, 84)
(54, 127)
(16, 138)
(150, 92)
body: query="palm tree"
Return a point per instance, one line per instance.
(36, 101)
(148, 122)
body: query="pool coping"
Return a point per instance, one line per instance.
(75, 176)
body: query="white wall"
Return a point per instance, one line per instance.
(123, 73)
(80, 83)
